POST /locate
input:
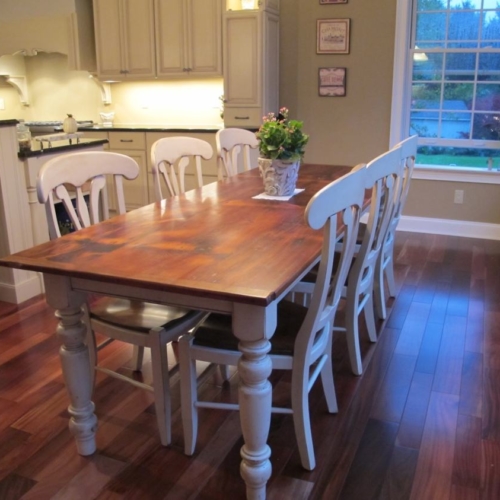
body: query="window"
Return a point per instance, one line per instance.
(451, 79)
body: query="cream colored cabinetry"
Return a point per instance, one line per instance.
(137, 145)
(209, 168)
(251, 65)
(125, 46)
(132, 144)
(64, 27)
(188, 37)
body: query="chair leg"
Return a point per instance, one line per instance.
(352, 334)
(137, 358)
(327, 379)
(301, 420)
(92, 346)
(189, 394)
(161, 386)
(389, 274)
(378, 288)
(224, 372)
(370, 319)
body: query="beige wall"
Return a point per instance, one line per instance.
(344, 130)
(353, 129)
(435, 199)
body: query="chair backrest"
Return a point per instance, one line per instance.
(170, 157)
(231, 142)
(82, 172)
(408, 155)
(340, 202)
(381, 177)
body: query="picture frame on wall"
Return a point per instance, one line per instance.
(326, 2)
(333, 36)
(332, 82)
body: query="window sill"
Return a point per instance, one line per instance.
(461, 174)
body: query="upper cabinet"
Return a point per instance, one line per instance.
(143, 39)
(124, 31)
(27, 28)
(251, 62)
(188, 37)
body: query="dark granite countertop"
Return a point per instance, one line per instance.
(135, 127)
(8, 123)
(59, 147)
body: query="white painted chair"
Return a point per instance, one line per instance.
(138, 323)
(381, 177)
(385, 262)
(170, 157)
(231, 143)
(303, 338)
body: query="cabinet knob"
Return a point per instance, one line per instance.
(242, 118)
(126, 140)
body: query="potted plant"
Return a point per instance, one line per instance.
(281, 148)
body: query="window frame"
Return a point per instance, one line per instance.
(401, 96)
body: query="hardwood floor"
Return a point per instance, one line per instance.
(423, 422)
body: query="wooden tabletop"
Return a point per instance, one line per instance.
(215, 242)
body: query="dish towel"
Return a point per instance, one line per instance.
(264, 196)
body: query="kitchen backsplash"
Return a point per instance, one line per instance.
(55, 91)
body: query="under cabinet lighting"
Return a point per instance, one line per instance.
(248, 4)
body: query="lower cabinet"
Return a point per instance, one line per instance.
(132, 144)
(137, 145)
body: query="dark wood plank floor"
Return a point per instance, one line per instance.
(423, 422)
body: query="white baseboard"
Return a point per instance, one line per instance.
(16, 294)
(450, 227)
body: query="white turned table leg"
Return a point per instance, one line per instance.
(253, 326)
(255, 393)
(75, 360)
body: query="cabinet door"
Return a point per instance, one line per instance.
(242, 59)
(136, 191)
(138, 38)
(171, 37)
(205, 40)
(108, 39)
(124, 39)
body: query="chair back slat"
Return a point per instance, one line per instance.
(340, 202)
(231, 143)
(382, 175)
(408, 154)
(170, 157)
(67, 179)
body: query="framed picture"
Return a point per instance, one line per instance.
(326, 2)
(333, 36)
(332, 82)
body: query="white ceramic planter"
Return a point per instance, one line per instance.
(280, 177)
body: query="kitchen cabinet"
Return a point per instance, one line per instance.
(251, 65)
(132, 144)
(125, 43)
(188, 37)
(65, 28)
(137, 145)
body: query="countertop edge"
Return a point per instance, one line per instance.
(58, 149)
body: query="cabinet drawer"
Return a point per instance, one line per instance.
(243, 117)
(127, 140)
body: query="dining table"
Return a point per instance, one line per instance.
(216, 248)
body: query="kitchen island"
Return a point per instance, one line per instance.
(22, 218)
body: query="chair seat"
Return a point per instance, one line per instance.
(138, 315)
(216, 330)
